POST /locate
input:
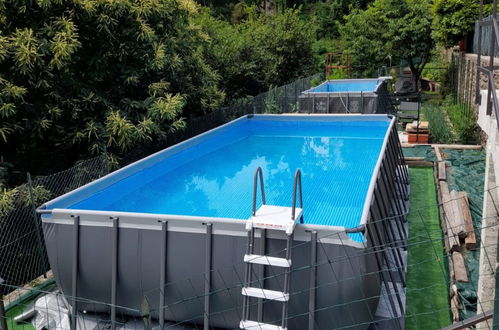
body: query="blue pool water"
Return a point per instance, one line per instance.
(215, 177)
(338, 86)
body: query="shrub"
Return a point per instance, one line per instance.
(259, 52)
(463, 120)
(80, 76)
(440, 130)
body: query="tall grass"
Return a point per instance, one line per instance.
(463, 120)
(440, 130)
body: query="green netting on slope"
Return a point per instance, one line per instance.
(427, 306)
(425, 151)
(467, 173)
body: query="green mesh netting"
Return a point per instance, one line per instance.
(425, 151)
(467, 173)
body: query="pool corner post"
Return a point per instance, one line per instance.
(3, 316)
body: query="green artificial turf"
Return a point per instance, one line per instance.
(11, 324)
(427, 305)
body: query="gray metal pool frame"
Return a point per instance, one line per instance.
(191, 268)
(374, 102)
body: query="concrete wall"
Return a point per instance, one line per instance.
(489, 231)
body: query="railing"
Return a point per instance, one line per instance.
(296, 186)
(258, 174)
(494, 40)
(469, 322)
(491, 90)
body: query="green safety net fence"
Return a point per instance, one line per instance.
(467, 173)
(425, 151)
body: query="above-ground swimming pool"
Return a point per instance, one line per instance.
(172, 226)
(367, 96)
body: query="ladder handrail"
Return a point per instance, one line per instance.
(296, 185)
(258, 173)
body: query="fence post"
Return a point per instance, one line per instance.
(36, 225)
(3, 317)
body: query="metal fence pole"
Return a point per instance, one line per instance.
(3, 317)
(37, 227)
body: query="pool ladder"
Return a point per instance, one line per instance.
(277, 218)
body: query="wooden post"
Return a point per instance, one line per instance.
(470, 240)
(458, 220)
(442, 175)
(448, 215)
(460, 273)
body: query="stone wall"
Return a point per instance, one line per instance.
(466, 75)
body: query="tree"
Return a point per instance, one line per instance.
(390, 30)
(453, 19)
(330, 15)
(80, 76)
(260, 52)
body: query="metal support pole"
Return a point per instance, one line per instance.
(40, 249)
(313, 280)
(379, 263)
(287, 282)
(491, 57)
(3, 316)
(74, 272)
(397, 258)
(261, 272)
(162, 274)
(479, 55)
(247, 273)
(390, 275)
(114, 269)
(207, 277)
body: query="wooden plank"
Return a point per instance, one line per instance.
(442, 174)
(460, 273)
(458, 146)
(448, 216)
(454, 303)
(458, 220)
(408, 159)
(470, 240)
(419, 163)
(438, 154)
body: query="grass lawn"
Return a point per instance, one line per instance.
(427, 275)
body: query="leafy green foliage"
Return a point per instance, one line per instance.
(21, 195)
(81, 76)
(330, 15)
(338, 74)
(259, 52)
(464, 123)
(389, 31)
(453, 19)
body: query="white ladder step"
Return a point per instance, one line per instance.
(265, 294)
(246, 324)
(266, 260)
(274, 217)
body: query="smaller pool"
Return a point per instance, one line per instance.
(347, 85)
(366, 96)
